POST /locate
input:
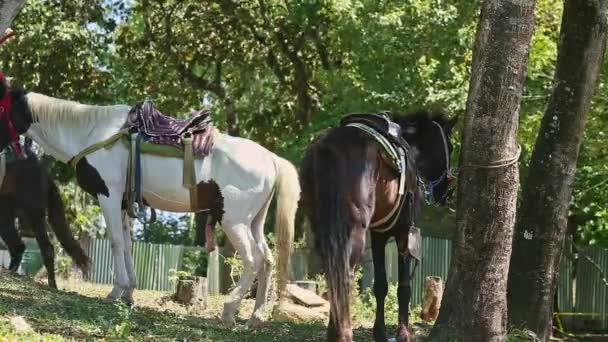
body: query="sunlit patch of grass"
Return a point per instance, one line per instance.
(77, 312)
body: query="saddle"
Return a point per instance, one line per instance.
(381, 123)
(148, 127)
(158, 128)
(395, 152)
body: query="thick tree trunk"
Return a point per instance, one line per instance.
(8, 12)
(474, 306)
(543, 217)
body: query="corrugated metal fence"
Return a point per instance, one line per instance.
(583, 286)
(152, 263)
(582, 293)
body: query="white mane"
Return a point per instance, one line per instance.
(49, 111)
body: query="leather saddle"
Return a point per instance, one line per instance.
(158, 128)
(380, 122)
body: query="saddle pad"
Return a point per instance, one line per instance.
(168, 151)
(161, 129)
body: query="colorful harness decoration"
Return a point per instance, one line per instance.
(5, 111)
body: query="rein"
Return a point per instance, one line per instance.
(451, 174)
(447, 173)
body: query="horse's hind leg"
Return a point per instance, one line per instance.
(380, 284)
(240, 236)
(265, 271)
(10, 235)
(36, 219)
(404, 294)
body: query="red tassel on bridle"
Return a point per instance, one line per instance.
(5, 106)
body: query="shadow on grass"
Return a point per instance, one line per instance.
(79, 317)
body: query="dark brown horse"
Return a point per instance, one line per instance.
(29, 194)
(348, 184)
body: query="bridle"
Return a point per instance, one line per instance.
(447, 174)
(6, 103)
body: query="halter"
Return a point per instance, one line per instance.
(447, 173)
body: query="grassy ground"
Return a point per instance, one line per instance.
(78, 313)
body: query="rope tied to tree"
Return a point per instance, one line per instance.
(497, 164)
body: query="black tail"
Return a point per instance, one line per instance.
(334, 171)
(331, 231)
(58, 221)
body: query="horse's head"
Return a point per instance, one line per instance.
(15, 116)
(429, 135)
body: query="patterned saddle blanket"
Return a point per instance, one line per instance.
(157, 128)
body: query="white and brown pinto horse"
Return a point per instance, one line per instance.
(236, 180)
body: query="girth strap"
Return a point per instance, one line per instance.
(189, 177)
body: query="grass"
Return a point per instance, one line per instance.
(78, 313)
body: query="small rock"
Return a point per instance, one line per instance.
(288, 312)
(19, 324)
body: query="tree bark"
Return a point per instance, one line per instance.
(474, 304)
(8, 12)
(543, 217)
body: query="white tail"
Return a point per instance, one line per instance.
(288, 196)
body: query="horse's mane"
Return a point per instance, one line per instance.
(49, 111)
(420, 117)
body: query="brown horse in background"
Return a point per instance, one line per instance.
(347, 184)
(29, 194)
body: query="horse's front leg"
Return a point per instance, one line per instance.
(380, 284)
(9, 233)
(404, 294)
(111, 207)
(127, 295)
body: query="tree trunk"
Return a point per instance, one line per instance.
(231, 117)
(192, 290)
(474, 304)
(543, 217)
(8, 12)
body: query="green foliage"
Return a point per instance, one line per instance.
(167, 230)
(82, 211)
(279, 72)
(120, 329)
(194, 262)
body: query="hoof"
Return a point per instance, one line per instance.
(228, 322)
(109, 299)
(128, 301)
(255, 322)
